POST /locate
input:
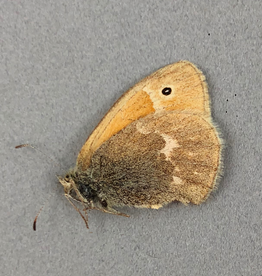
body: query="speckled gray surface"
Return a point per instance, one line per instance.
(63, 64)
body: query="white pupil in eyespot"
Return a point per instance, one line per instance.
(166, 91)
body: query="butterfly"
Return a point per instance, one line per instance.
(157, 144)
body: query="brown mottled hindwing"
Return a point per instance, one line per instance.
(157, 159)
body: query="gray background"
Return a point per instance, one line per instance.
(63, 64)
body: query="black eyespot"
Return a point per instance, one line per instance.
(166, 91)
(67, 177)
(104, 203)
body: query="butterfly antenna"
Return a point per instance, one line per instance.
(39, 151)
(34, 224)
(36, 217)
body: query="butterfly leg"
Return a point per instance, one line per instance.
(107, 210)
(114, 212)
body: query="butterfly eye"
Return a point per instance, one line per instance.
(104, 203)
(67, 177)
(166, 91)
